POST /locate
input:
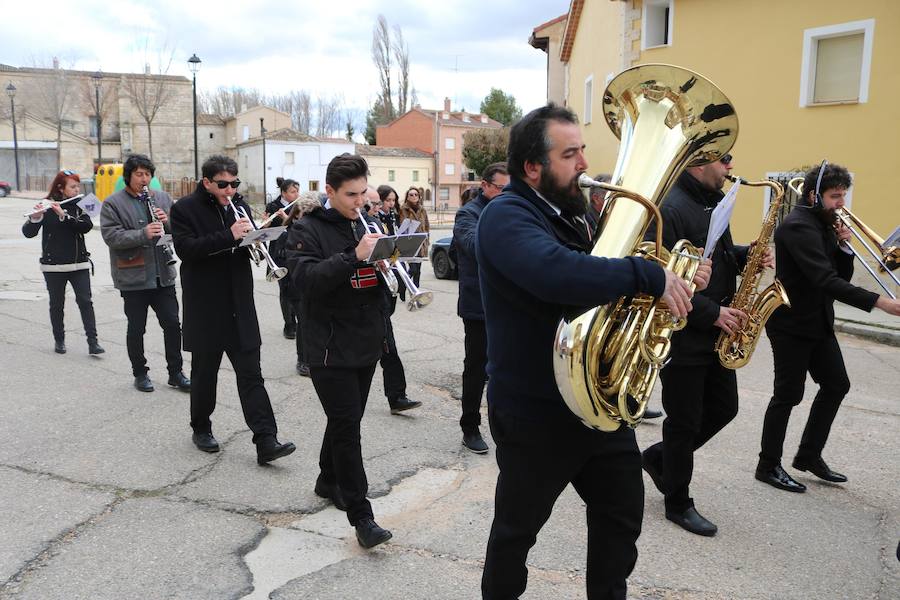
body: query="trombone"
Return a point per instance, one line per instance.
(258, 251)
(418, 298)
(887, 258)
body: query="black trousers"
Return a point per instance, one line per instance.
(794, 357)
(699, 402)
(56, 289)
(343, 393)
(537, 461)
(295, 311)
(391, 365)
(473, 376)
(165, 305)
(251, 390)
(288, 312)
(415, 273)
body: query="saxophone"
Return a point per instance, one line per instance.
(735, 350)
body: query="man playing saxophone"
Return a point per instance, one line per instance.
(815, 266)
(698, 393)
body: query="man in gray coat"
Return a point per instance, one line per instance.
(142, 271)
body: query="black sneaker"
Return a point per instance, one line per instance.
(94, 347)
(302, 369)
(180, 381)
(398, 405)
(59, 347)
(205, 442)
(269, 448)
(474, 442)
(142, 383)
(369, 534)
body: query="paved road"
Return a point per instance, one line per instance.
(102, 494)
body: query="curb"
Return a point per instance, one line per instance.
(882, 335)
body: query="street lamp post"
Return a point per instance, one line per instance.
(98, 81)
(11, 92)
(262, 132)
(194, 64)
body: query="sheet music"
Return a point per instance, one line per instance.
(408, 226)
(721, 216)
(269, 234)
(91, 205)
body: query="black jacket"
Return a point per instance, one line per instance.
(273, 207)
(343, 301)
(815, 272)
(534, 269)
(389, 220)
(686, 212)
(469, 304)
(216, 276)
(62, 242)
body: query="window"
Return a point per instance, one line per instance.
(288, 158)
(313, 186)
(449, 169)
(246, 132)
(92, 127)
(391, 175)
(246, 161)
(837, 60)
(210, 135)
(588, 98)
(444, 194)
(415, 175)
(656, 23)
(449, 143)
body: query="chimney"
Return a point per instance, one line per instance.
(446, 104)
(55, 62)
(484, 119)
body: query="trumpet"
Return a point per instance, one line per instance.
(418, 298)
(168, 250)
(45, 205)
(258, 251)
(887, 258)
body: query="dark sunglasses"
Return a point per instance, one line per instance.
(726, 160)
(224, 184)
(68, 172)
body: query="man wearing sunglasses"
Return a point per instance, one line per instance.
(140, 270)
(699, 394)
(219, 312)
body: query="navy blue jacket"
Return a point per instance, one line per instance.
(469, 304)
(534, 269)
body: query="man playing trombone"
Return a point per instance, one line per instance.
(219, 312)
(815, 264)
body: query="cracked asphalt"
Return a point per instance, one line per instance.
(103, 495)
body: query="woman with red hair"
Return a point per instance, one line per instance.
(64, 256)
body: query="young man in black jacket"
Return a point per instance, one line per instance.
(469, 308)
(219, 312)
(532, 245)
(699, 394)
(343, 315)
(815, 266)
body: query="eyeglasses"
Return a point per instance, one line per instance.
(413, 194)
(726, 160)
(221, 184)
(68, 172)
(498, 186)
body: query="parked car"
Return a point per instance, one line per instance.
(5, 188)
(443, 264)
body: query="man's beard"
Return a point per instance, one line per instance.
(568, 197)
(828, 217)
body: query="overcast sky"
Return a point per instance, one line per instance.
(458, 48)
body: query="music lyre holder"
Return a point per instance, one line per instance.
(269, 234)
(397, 247)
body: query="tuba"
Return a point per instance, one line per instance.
(606, 359)
(735, 349)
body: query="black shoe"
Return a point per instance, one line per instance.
(302, 369)
(817, 467)
(331, 492)
(398, 405)
(94, 347)
(652, 414)
(142, 383)
(778, 477)
(474, 442)
(653, 471)
(290, 332)
(693, 521)
(178, 380)
(269, 448)
(59, 347)
(369, 534)
(205, 442)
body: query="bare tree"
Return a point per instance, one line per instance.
(302, 115)
(401, 55)
(107, 99)
(54, 99)
(149, 92)
(328, 115)
(227, 102)
(382, 56)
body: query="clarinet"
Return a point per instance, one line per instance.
(168, 251)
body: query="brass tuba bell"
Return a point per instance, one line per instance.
(606, 360)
